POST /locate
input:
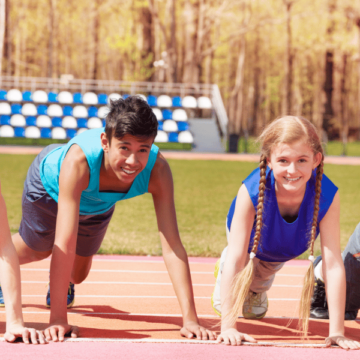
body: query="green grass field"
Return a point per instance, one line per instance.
(203, 193)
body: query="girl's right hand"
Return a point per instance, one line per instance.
(233, 337)
(28, 335)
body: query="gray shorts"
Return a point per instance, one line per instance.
(39, 211)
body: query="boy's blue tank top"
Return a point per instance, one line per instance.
(281, 241)
(92, 201)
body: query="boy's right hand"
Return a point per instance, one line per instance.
(57, 331)
(233, 337)
(28, 335)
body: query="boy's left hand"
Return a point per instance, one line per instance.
(343, 342)
(192, 328)
(28, 335)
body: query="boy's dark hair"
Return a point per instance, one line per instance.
(130, 116)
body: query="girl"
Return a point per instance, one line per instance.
(10, 281)
(291, 201)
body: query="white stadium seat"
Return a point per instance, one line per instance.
(32, 132)
(58, 133)
(113, 97)
(90, 98)
(43, 121)
(17, 120)
(189, 102)
(29, 110)
(65, 97)
(164, 101)
(69, 122)
(186, 137)
(103, 111)
(142, 96)
(94, 123)
(170, 126)
(162, 137)
(80, 131)
(158, 114)
(179, 115)
(203, 102)
(80, 111)
(7, 131)
(5, 108)
(55, 110)
(14, 95)
(40, 96)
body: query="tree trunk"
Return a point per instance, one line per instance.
(96, 50)
(288, 62)
(2, 31)
(343, 105)
(147, 42)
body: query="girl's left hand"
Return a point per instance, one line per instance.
(343, 342)
(28, 335)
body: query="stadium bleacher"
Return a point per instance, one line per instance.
(51, 115)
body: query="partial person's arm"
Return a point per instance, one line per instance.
(236, 258)
(74, 178)
(11, 285)
(175, 257)
(334, 276)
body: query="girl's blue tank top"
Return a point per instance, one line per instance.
(281, 241)
(93, 202)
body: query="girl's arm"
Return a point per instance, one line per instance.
(334, 275)
(11, 286)
(236, 259)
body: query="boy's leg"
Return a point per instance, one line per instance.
(81, 269)
(351, 257)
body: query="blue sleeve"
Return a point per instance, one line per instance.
(328, 191)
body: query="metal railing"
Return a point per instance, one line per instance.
(124, 87)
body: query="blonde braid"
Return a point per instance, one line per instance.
(241, 284)
(309, 279)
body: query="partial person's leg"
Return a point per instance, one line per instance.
(81, 269)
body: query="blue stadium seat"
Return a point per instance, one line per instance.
(82, 123)
(104, 123)
(19, 132)
(78, 98)
(42, 110)
(161, 125)
(152, 100)
(3, 95)
(173, 137)
(176, 100)
(26, 95)
(70, 133)
(102, 99)
(68, 110)
(167, 114)
(4, 119)
(56, 121)
(92, 111)
(31, 121)
(16, 109)
(183, 126)
(45, 133)
(53, 97)
(125, 96)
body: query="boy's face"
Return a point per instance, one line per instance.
(127, 156)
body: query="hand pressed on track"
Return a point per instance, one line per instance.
(192, 329)
(28, 335)
(233, 337)
(343, 342)
(57, 331)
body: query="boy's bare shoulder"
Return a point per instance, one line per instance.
(160, 174)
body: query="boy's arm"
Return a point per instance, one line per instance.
(11, 285)
(74, 178)
(175, 257)
(334, 276)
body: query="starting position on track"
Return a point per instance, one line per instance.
(69, 198)
(278, 213)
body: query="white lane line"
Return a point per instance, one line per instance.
(145, 297)
(138, 283)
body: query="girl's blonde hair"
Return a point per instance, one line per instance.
(288, 129)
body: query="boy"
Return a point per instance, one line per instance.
(69, 198)
(10, 281)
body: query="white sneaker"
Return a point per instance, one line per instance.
(255, 305)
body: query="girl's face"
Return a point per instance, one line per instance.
(292, 165)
